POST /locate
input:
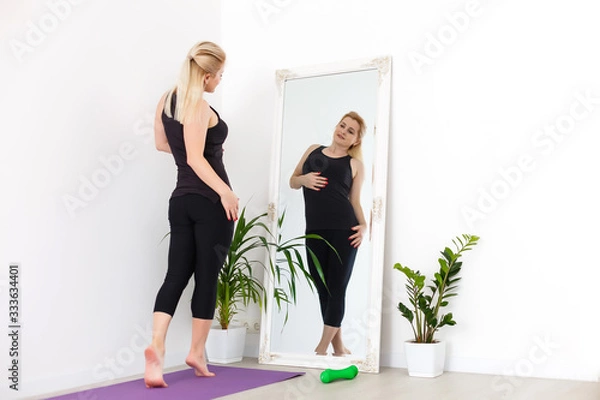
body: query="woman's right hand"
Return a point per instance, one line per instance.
(231, 205)
(314, 181)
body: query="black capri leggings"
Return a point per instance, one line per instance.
(199, 240)
(337, 274)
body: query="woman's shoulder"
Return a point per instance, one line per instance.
(356, 163)
(205, 103)
(206, 110)
(313, 149)
(310, 150)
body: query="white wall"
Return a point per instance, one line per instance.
(78, 97)
(84, 91)
(473, 85)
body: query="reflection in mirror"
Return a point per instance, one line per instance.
(311, 104)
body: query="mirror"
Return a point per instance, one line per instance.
(312, 100)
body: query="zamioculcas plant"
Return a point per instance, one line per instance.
(424, 313)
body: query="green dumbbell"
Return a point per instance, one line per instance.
(330, 375)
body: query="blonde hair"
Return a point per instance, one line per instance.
(356, 150)
(204, 58)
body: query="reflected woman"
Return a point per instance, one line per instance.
(331, 178)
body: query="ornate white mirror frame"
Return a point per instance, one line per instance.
(368, 323)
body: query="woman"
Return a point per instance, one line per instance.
(331, 178)
(202, 208)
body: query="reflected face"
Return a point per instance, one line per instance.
(211, 81)
(346, 132)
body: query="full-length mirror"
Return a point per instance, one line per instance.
(312, 102)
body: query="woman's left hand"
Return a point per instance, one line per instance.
(357, 237)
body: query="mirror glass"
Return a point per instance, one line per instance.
(312, 100)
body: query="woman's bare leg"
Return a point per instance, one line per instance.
(338, 345)
(328, 333)
(196, 358)
(155, 353)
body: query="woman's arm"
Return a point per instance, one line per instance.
(194, 136)
(312, 180)
(160, 137)
(357, 182)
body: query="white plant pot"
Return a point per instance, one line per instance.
(425, 360)
(226, 346)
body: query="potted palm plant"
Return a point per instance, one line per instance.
(425, 355)
(237, 286)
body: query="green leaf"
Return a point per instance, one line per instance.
(406, 312)
(448, 254)
(447, 295)
(443, 264)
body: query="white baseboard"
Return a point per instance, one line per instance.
(500, 368)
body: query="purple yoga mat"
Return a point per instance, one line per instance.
(185, 385)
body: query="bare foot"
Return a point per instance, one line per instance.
(199, 365)
(153, 376)
(319, 351)
(340, 354)
(343, 353)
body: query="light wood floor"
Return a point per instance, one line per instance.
(394, 383)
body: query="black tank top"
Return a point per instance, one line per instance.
(330, 207)
(187, 180)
